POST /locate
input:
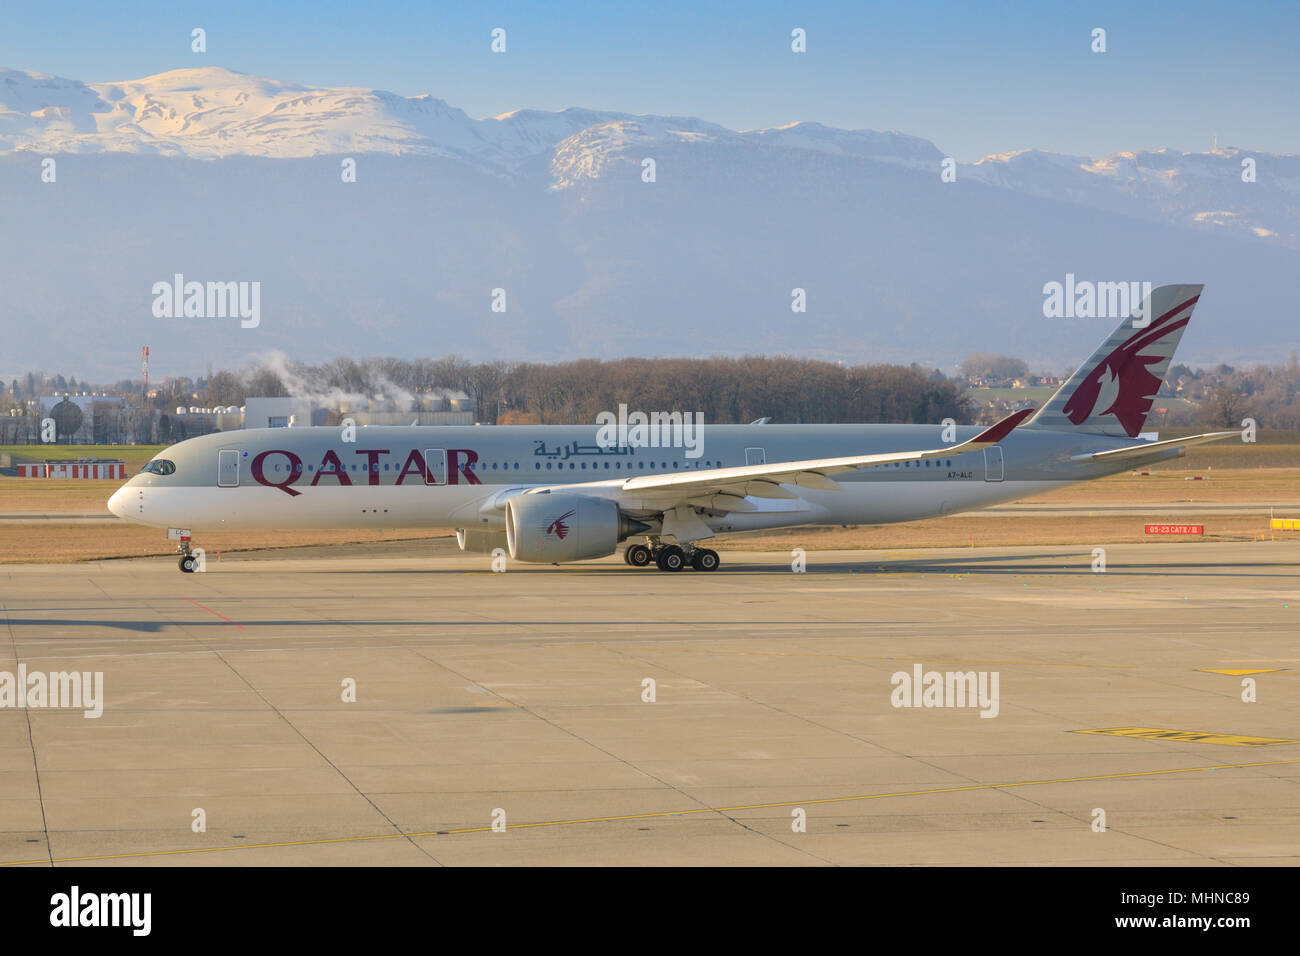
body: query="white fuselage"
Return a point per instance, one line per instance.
(311, 478)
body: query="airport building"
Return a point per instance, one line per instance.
(419, 410)
(84, 418)
(281, 413)
(424, 409)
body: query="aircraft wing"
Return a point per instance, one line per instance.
(813, 473)
(726, 489)
(1140, 451)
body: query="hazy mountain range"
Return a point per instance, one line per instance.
(226, 177)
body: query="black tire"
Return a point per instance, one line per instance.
(671, 558)
(704, 560)
(187, 563)
(638, 555)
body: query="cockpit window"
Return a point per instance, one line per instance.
(159, 466)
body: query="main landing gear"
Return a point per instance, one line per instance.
(670, 557)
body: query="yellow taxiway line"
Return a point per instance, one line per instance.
(655, 814)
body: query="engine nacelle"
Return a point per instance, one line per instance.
(556, 527)
(481, 542)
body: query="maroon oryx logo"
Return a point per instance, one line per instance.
(1121, 384)
(558, 527)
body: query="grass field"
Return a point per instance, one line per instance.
(1265, 472)
(134, 455)
(1035, 395)
(1271, 449)
(960, 532)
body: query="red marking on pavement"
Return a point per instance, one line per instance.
(222, 616)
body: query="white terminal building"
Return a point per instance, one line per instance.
(421, 410)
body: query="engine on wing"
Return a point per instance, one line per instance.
(481, 542)
(552, 528)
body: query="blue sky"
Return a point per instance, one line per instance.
(974, 78)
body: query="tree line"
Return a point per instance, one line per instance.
(726, 390)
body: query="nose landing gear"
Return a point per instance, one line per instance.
(189, 561)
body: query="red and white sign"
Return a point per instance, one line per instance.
(73, 469)
(1175, 529)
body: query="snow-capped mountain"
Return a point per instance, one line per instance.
(1226, 189)
(226, 177)
(211, 112)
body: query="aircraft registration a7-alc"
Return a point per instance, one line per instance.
(513, 487)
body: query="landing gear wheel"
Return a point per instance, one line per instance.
(671, 558)
(704, 560)
(188, 563)
(638, 555)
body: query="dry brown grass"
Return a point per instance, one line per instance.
(1161, 487)
(55, 495)
(961, 532)
(1168, 486)
(1272, 449)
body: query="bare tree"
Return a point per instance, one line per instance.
(1223, 407)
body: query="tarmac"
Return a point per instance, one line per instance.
(520, 699)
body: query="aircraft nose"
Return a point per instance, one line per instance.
(117, 502)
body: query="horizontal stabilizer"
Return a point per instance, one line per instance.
(1141, 451)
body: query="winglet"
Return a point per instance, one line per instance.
(995, 433)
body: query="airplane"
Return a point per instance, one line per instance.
(558, 493)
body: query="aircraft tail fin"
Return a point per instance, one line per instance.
(1113, 391)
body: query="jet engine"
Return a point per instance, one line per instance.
(551, 527)
(480, 542)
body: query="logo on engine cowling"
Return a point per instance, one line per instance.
(558, 527)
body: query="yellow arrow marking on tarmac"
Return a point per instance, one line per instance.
(1189, 736)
